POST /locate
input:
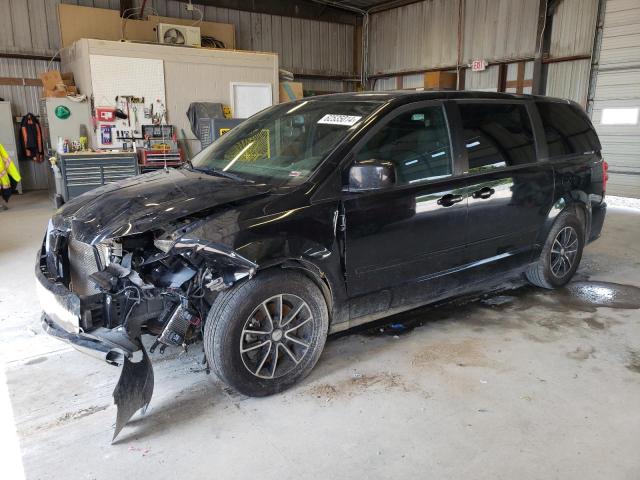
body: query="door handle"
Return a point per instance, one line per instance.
(484, 193)
(449, 199)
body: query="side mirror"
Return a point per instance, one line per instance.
(371, 175)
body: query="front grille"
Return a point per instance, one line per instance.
(82, 263)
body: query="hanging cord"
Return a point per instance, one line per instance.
(53, 58)
(130, 13)
(196, 9)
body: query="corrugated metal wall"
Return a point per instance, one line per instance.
(413, 37)
(424, 35)
(569, 80)
(486, 80)
(31, 27)
(500, 29)
(618, 86)
(323, 86)
(573, 28)
(23, 99)
(304, 46)
(574, 25)
(408, 39)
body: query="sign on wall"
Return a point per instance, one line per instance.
(478, 65)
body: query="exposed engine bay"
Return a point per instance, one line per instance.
(149, 283)
(165, 293)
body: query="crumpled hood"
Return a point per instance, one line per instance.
(144, 202)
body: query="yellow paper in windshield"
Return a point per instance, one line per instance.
(250, 149)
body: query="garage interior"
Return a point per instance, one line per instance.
(521, 382)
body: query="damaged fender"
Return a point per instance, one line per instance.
(220, 267)
(231, 266)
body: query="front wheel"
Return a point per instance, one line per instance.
(267, 333)
(561, 253)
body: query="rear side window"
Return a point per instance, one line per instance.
(497, 135)
(567, 129)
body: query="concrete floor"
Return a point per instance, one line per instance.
(528, 384)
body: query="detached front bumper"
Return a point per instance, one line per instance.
(61, 319)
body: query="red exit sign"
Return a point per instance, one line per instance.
(478, 65)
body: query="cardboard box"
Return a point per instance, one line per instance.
(54, 93)
(290, 91)
(440, 81)
(56, 84)
(76, 22)
(51, 80)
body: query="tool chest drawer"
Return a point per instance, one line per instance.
(82, 172)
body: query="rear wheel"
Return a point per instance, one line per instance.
(267, 333)
(561, 253)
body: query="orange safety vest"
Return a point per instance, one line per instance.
(7, 168)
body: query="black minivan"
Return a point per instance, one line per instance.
(314, 216)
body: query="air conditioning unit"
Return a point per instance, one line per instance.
(178, 35)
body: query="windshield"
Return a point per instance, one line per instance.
(284, 144)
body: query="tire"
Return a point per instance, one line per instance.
(270, 361)
(558, 263)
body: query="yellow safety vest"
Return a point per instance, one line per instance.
(7, 168)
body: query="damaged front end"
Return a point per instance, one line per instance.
(103, 298)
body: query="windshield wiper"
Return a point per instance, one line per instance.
(221, 173)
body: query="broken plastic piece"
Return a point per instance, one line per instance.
(134, 389)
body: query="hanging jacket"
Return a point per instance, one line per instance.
(31, 138)
(9, 174)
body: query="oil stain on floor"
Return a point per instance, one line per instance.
(361, 383)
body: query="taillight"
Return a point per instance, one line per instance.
(605, 175)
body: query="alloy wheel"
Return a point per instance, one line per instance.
(276, 337)
(564, 251)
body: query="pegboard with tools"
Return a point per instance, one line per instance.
(128, 93)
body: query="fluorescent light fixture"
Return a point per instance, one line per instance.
(473, 144)
(300, 105)
(411, 162)
(619, 116)
(439, 154)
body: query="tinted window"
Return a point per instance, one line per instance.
(416, 142)
(497, 135)
(567, 129)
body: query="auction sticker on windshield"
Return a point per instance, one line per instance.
(346, 120)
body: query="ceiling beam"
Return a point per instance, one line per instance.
(375, 7)
(294, 8)
(390, 4)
